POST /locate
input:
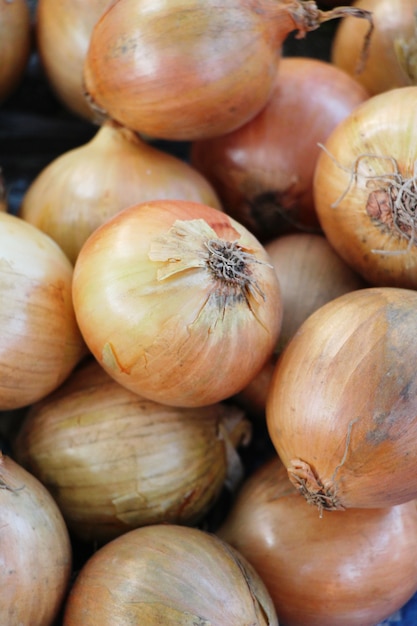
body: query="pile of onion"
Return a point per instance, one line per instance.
(365, 189)
(177, 301)
(85, 186)
(115, 461)
(342, 404)
(263, 171)
(344, 568)
(35, 549)
(168, 574)
(193, 72)
(15, 44)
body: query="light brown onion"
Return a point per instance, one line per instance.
(263, 171)
(15, 44)
(192, 70)
(63, 31)
(115, 461)
(168, 574)
(40, 339)
(35, 550)
(85, 186)
(342, 404)
(177, 301)
(344, 568)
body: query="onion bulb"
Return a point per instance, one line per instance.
(190, 70)
(392, 58)
(263, 171)
(342, 405)
(177, 301)
(345, 568)
(115, 461)
(83, 187)
(15, 44)
(365, 189)
(35, 550)
(168, 574)
(40, 339)
(63, 31)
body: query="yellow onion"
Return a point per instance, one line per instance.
(40, 340)
(345, 568)
(342, 404)
(82, 188)
(168, 574)
(177, 301)
(365, 189)
(15, 44)
(189, 70)
(63, 31)
(35, 550)
(115, 461)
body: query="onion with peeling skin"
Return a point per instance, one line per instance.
(168, 574)
(84, 187)
(40, 339)
(345, 568)
(35, 550)
(115, 461)
(177, 301)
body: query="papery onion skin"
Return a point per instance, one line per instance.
(15, 45)
(115, 461)
(344, 568)
(368, 161)
(263, 171)
(342, 404)
(87, 185)
(391, 61)
(190, 70)
(35, 550)
(162, 310)
(40, 339)
(168, 574)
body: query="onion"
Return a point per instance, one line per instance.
(392, 60)
(365, 189)
(40, 339)
(263, 171)
(35, 550)
(15, 44)
(310, 273)
(85, 186)
(63, 31)
(115, 461)
(177, 301)
(191, 70)
(342, 404)
(168, 574)
(345, 568)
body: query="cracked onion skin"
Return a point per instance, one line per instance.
(177, 301)
(342, 405)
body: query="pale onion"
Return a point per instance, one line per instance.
(83, 187)
(365, 189)
(263, 171)
(392, 59)
(342, 405)
(40, 340)
(346, 568)
(35, 550)
(177, 301)
(310, 273)
(15, 44)
(190, 70)
(63, 31)
(115, 461)
(168, 574)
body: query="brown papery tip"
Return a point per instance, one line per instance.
(310, 486)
